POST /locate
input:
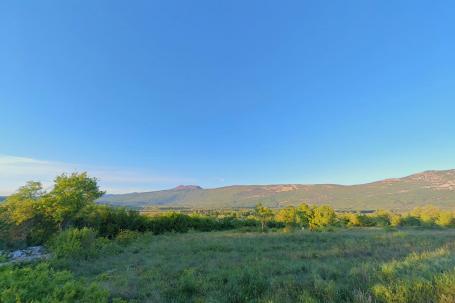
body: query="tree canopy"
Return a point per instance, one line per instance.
(32, 214)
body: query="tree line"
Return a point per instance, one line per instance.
(33, 216)
(314, 217)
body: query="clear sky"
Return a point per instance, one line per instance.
(151, 94)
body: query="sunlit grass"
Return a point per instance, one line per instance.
(363, 265)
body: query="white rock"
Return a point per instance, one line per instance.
(17, 254)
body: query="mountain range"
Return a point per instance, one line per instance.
(429, 187)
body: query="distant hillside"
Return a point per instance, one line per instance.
(187, 187)
(430, 187)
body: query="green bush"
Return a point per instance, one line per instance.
(110, 221)
(76, 243)
(125, 237)
(445, 219)
(41, 283)
(410, 221)
(322, 216)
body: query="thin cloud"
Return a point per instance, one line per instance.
(15, 171)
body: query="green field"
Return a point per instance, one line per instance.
(99, 254)
(358, 265)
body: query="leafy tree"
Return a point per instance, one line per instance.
(445, 218)
(71, 193)
(31, 191)
(264, 214)
(322, 216)
(22, 205)
(31, 215)
(395, 219)
(21, 219)
(427, 214)
(382, 218)
(288, 216)
(304, 213)
(295, 216)
(353, 219)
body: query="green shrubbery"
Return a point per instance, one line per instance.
(110, 221)
(176, 222)
(317, 217)
(125, 237)
(427, 216)
(76, 244)
(305, 216)
(40, 283)
(32, 216)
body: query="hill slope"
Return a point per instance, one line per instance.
(430, 187)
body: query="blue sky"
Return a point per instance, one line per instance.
(151, 94)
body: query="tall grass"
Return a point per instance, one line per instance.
(362, 265)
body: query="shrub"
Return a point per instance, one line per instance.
(445, 219)
(409, 221)
(352, 219)
(205, 223)
(109, 221)
(172, 222)
(395, 220)
(41, 283)
(76, 243)
(426, 214)
(381, 218)
(367, 220)
(322, 216)
(125, 237)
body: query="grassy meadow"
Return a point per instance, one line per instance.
(101, 254)
(353, 265)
